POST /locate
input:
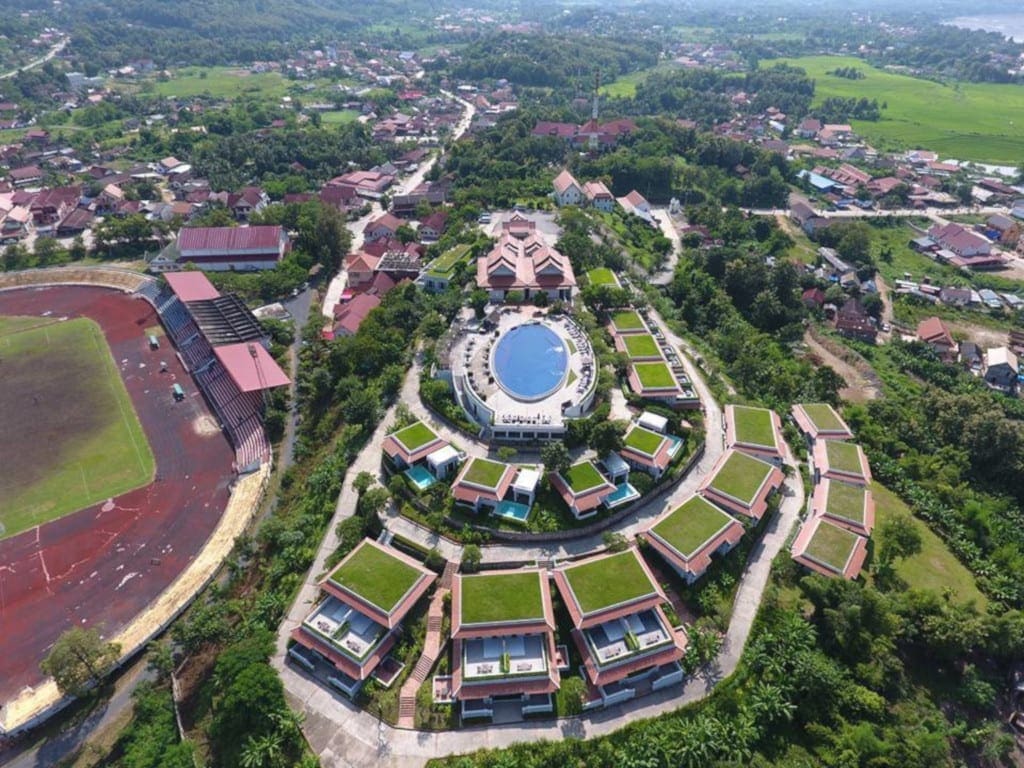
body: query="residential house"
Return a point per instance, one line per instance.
(813, 298)
(598, 196)
(583, 488)
(350, 315)
(840, 460)
(432, 227)
(384, 226)
(412, 444)
(1004, 229)
(844, 504)
(567, 190)
(971, 357)
(692, 534)
(343, 197)
(358, 617)
(622, 634)
(829, 549)
(960, 240)
(1001, 370)
(360, 268)
(26, 175)
(247, 202)
(754, 431)
(853, 321)
(648, 451)
(484, 485)
(933, 332)
(503, 642)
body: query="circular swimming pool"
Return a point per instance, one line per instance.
(530, 362)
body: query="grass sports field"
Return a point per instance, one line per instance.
(221, 83)
(70, 436)
(968, 121)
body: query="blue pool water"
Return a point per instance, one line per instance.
(512, 510)
(623, 493)
(675, 443)
(420, 477)
(530, 362)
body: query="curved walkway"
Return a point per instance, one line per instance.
(344, 735)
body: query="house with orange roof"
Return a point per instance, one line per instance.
(933, 332)
(360, 267)
(689, 536)
(742, 484)
(358, 617)
(622, 634)
(567, 190)
(598, 196)
(503, 642)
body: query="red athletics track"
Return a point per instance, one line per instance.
(102, 565)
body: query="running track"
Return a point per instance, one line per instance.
(102, 565)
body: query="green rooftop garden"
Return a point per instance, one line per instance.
(628, 320)
(845, 501)
(689, 527)
(643, 440)
(831, 545)
(602, 276)
(823, 416)
(415, 435)
(654, 375)
(641, 345)
(754, 425)
(844, 456)
(499, 597)
(484, 472)
(583, 477)
(609, 581)
(741, 477)
(376, 576)
(444, 264)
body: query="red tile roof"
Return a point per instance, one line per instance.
(191, 286)
(230, 239)
(350, 316)
(251, 367)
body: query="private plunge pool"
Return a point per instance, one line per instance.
(530, 362)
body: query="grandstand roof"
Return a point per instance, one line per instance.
(229, 239)
(191, 286)
(225, 320)
(251, 367)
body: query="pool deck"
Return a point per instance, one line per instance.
(472, 355)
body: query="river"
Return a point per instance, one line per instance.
(1008, 24)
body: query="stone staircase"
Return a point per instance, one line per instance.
(433, 644)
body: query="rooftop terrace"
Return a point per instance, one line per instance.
(415, 436)
(690, 526)
(754, 426)
(741, 477)
(609, 581)
(376, 576)
(502, 597)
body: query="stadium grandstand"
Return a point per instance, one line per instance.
(223, 345)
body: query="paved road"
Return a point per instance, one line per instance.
(57, 48)
(298, 307)
(668, 228)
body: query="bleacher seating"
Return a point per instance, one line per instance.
(153, 292)
(197, 353)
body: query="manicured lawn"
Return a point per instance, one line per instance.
(690, 526)
(644, 440)
(583, 477)
(415, 435)
(222, 83)
(844, 456)
(609, 581)
(641, 345)
(443, 265)
(831, 545)
(741, 476)
(654, 375)
(484, 473)
(339, 116)
(823, 416)
(602, 276)
(501, 597)
(968, 121)
(754, 425)
(376, 576)
(72, 437)
(628, 321)
(935, 567)
(845, 501)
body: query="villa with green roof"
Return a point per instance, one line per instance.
(649, 451)
(583, 488)
(848, 506)
(627, 644)
(830, 550)
(654, 381)
(485, 484)
(741, 484)
(599, 276)
(503, 642)
(756, 431)
(437, 275)
(820, 421)
(358, 619)
(416, 443)
(627, 321)
(638, 346)
(691, 534)
(837, 460)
